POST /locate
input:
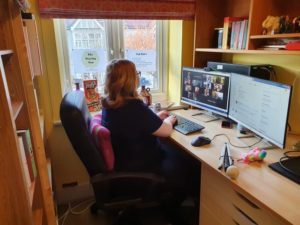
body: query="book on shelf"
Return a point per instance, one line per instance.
(26, 139)
(24, 164)
(227, 27)
(293, 45)
(239, 33)
(272, 47)
(232, 35)
(245, 36)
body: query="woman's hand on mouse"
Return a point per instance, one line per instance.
(171, 119)
(163, 114)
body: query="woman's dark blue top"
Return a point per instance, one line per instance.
(131, 127)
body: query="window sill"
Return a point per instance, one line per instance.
(159, 97)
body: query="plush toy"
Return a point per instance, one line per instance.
(271, 25)
(285, 26)
(255, 154)
(296, 24)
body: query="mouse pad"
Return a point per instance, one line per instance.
(292, 164)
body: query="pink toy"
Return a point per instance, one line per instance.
(255, 154)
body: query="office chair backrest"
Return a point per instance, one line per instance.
(75, 118)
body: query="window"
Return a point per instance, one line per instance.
(88, 44)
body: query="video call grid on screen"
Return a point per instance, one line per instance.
(260, 105)
(207, 90)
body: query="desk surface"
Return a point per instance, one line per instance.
(269, 188)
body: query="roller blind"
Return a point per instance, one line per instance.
(118, 9)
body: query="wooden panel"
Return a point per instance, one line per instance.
(38, 217)
(237, 8)
(207, 10)
(28, 51)
(16, 108)
(259, 12)
(13, 195)
(201, 58)
(13, 78)
(42, 124)
(291, 8)
(34, 47)
(32, 192)
(208, 217)
(220, 194)
(37, 141)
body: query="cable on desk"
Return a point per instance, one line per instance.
(289, 127)
(236, 146)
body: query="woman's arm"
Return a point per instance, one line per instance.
(166, 128)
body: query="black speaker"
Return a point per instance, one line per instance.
(263, 71)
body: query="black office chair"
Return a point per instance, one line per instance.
(114, 190)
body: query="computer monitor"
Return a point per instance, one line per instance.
(205, 89)
(261, 106)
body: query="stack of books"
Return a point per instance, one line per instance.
(27, 157)
(235, 33)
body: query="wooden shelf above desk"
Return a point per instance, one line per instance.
(276, 36)
(231, 51)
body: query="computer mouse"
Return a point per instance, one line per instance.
(200, 141)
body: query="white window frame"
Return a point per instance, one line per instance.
(114, 27)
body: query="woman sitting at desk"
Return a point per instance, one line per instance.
(134, 130)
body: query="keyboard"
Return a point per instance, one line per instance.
(186, 126)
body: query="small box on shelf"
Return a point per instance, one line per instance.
(91, 94)
(24, 164)
(27, 145)
(219, 37)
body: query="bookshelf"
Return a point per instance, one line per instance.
(214, 12)
(21, 202)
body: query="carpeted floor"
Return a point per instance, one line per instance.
(81, 215)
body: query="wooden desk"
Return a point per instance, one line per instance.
(258, 196)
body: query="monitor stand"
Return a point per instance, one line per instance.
(263, 144)
(206, 116)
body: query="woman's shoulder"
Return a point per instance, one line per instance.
(134, 101)
(134, 104)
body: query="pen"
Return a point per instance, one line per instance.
(227, 157)
(221, 159)
(197, 114)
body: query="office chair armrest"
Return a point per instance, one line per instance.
(119, 189)
(127, 175)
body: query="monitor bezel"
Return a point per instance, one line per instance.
(204, 106)
(273, 83)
